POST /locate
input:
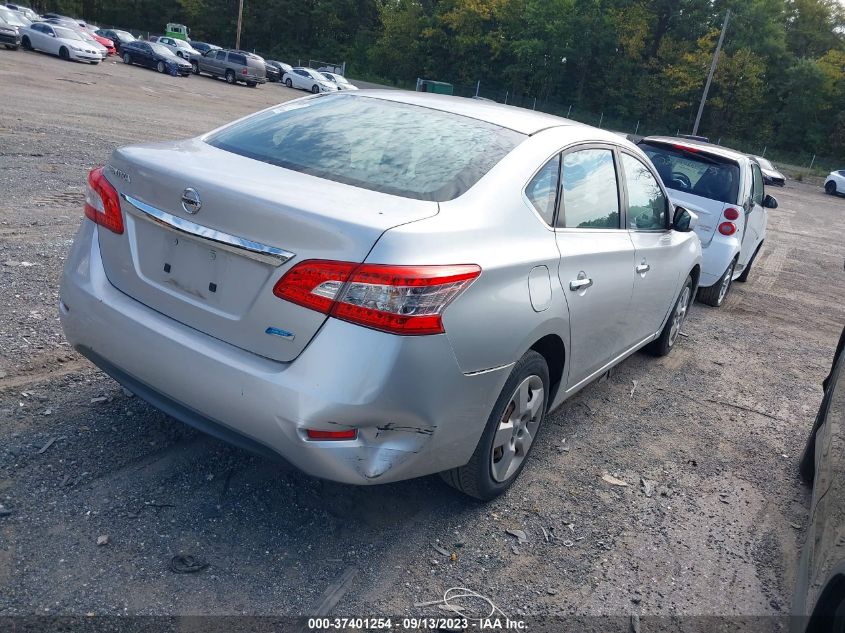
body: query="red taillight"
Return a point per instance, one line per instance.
(349, 434)
(102, 204)
(731, 214)
(398, 299)
(727, 228)
(244, 72)
(685, 148)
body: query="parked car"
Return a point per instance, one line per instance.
(280, 66)
(27, 12)
(359, 314)
(118, 37)
(11, 23)
(818, 605)
(272, 72)
(771, 175)
(308, 79)
(835, 182)
(181, 48)
(341, 81)
(154, 55)
(233, 65)
(105, 46)
(59, 40)
(726, 190)
(204, 47)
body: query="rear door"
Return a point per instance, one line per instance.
(597, 258)
(657, 248)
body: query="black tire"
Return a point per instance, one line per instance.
(252, 84)
(830, 188)
(713, 295)
(127, 59)
(288, 83)
(670, 333)
(745, 272)
(26, 43)
(195, 67)
(161, 67)
(64, 54)
(476, 477)
(230, 77)
(807, 463)
(315, 89)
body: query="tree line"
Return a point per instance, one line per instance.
(780, 79)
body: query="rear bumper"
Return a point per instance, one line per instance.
(715, 258)
(416, 412)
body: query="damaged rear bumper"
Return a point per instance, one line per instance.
(415, 411)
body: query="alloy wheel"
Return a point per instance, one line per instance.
(726, 282)
(679, 315)
(517, 428)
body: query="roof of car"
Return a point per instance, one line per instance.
(708, 148)
(507, 116)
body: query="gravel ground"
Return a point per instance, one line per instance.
(717, 426)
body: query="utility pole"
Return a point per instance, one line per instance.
(710, 74)
(240, 18)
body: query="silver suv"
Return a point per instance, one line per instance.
(234, 66)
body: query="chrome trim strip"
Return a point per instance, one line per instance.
(241, 246)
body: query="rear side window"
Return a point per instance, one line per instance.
(542, 190)
(695, 172)
(590, 192)
(237, 58)
(221, 55)
(376, 144)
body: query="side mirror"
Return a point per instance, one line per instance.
(770, 202)
(684, 220)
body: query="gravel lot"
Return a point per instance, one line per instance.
(717, 426)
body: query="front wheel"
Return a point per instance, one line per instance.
(288, 83)
(715, 294)
(830, 187)
(26, 43)
(510, 433)
(672, 329)
(160, 67)
(315, 88)
(127, 59)
(195, 67)
(64, 54)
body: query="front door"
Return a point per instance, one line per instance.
(597, 257)
(656, 246)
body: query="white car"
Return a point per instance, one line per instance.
(309, 79)
(179, 47)
(59, 40)
(726, 190)
(835, 182)
(341, 81)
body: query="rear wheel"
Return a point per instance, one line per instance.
(26, 43)
(160, 67)
(830, 187)
(64, 53)
(511, 431)
(672, 329)
(230, 77)
(715, 294)
(127, 59)
(251, 84)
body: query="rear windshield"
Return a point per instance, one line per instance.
(395, 148)
(695, 172)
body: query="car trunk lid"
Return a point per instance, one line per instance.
(212, 262)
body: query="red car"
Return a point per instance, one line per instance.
(105, 42)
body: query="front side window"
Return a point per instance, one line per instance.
(646, 202)
(542, 190)
(590, 195)
(757, 192)
(377, 144)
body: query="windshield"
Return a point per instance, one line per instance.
(124, 35)
(182, 44)
(161, 49)
(690, 171)
(66, 34)
(9, 16)
(375, 144)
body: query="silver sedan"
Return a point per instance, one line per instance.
(378, 285)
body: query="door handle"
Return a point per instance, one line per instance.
(582, 283)
(643, 268)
